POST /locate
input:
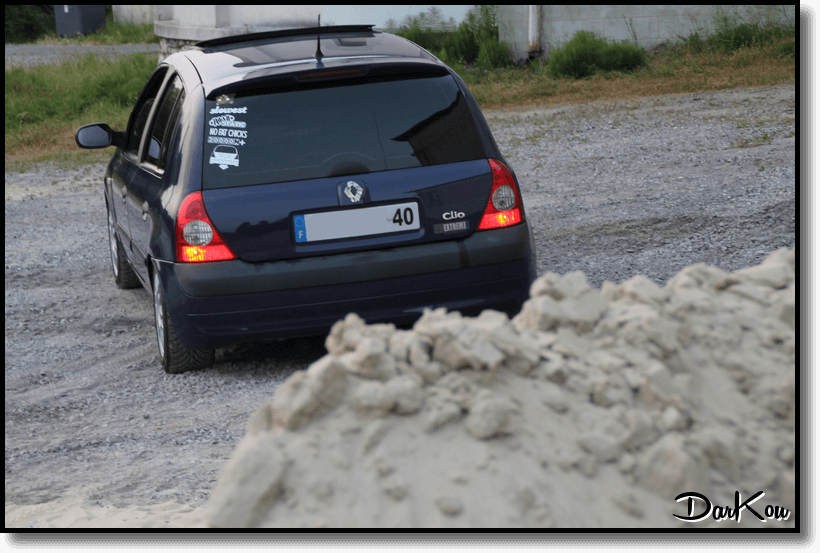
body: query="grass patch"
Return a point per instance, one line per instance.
(668, 70)
(113, 32)
(589, 68)
(45, 104)
(60, 159)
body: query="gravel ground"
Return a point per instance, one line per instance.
(616, 189)
(650, 186)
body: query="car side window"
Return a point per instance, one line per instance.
(143, 109)
(164, 124)
(173, 123)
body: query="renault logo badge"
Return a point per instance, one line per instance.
(353, 191)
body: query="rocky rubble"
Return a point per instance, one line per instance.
(590, 408)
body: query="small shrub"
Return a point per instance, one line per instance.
(536, 66)
(453, 62)
(462, 44)
(622, 57)
(731, 36)
(586, 53)
(786, 49)
(492, 54)
(694, 42)
(483, 17)
(579, 57)
(739, 37)
(28, 23)
(415, 34)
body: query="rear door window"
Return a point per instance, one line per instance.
(164, 124)
(337, 130)
(139, 117)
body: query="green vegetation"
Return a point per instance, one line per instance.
(45, 105)
(475, 41)
(91, 87)
(112, 33)
(26, 23)
(587, 54)
(36, 25)
(589, 68)
(733, 34)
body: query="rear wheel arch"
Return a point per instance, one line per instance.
(175, 357)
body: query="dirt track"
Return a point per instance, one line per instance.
(636, 188)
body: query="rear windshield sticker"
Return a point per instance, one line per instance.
(220, 109)
(224, 99)
(223, 140)
(225, 156)
(227, 121)
(233, 135)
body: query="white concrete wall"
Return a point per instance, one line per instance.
(181, 25)
(198, 22)
(138, 15)
(648, 25)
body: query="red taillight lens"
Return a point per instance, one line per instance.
(504, 206)
(197, 240)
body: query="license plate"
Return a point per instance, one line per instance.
(351, 223)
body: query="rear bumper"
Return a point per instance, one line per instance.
(239, 277)
(221, 303)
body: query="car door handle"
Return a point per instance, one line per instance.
(144, 211)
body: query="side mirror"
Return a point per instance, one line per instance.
(97, 135)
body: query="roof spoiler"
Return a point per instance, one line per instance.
(266, 83)
(306, 31)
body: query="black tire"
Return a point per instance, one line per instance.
(124, 275)
(175, 357)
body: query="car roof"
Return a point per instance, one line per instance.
(226, 60)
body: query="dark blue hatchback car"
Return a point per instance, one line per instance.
(269, 184)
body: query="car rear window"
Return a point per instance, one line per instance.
(348, 128)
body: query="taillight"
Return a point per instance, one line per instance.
(504, 206)
(197, 240)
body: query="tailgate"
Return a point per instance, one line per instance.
(288, 220)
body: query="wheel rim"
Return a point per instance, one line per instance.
(159, 315)
(112, 239)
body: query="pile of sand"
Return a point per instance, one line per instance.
(590, 408)
(72, 510)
